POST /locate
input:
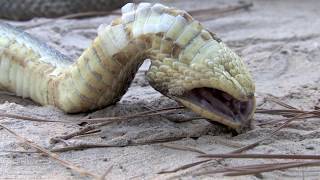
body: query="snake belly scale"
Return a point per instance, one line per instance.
(188, 64)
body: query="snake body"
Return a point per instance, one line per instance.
(186, 59)
(27, 9)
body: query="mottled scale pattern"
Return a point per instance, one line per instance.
(183, 53)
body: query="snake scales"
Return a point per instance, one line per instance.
(188, 64)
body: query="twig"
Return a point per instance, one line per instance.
(183, 148)
(26, 152)
(16, 116)
(274, 167)
(72, 16)
(176, 120)
(242, 149)
(281, 120)
(241, 168)
(86, 129)
(106, 145)
(52, 155)
(106, 173)
(137, 115)
(260, 156)
(277, 101)
(287, 112)
(199, 13)
(84, 146)
(186, 166)
(108, 120)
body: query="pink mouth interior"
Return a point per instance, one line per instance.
(220, 103)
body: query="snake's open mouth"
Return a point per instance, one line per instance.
(219, 106)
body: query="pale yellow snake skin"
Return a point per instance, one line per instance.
(189, 65)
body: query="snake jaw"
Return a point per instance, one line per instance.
(220, 107)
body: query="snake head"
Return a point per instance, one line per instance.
(213, 83)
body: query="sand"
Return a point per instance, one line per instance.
(279, 42)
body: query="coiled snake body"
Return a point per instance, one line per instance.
(189, 65)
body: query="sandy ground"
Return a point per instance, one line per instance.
(279, 41)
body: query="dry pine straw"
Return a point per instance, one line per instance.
(54, 156)
(99, 123)
(200, 14)
(289, 111)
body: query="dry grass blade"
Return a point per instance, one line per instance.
(73, 16)
(290, 112)
(83, 146)
(196, 13)
(277, 101)
(287, 112)
(108, 120)
(106, 173)
(279, 111)
(52, 155)
(90, 14)
(27, 118)
(186, 166)
(242, 149)
(242, 168)
(183, 148)
(26, 152)
(137, 115)
(273, 167)
(294, 113)
(281, 120)
(260, 156)
(83, 131)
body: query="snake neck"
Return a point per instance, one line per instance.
(100, 76)
(104, 71)
(188, 64)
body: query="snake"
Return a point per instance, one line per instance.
(28, 9)
(189, 64)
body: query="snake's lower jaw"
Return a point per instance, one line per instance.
(220, 107)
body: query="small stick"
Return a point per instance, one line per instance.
(27, 152)
(277, 101)
(85, 146)
(15, 116)
(242, 149)
(52, 155)
(274, 167)
(175, 120)
(108, 120)
(186, 166)
(212, 11)
(106, 173)
(240, 168)
(57, 139)
(281, 120)
(75, 15)
(183, 148)
(141, 114)
(260, 156)
(104, 145)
